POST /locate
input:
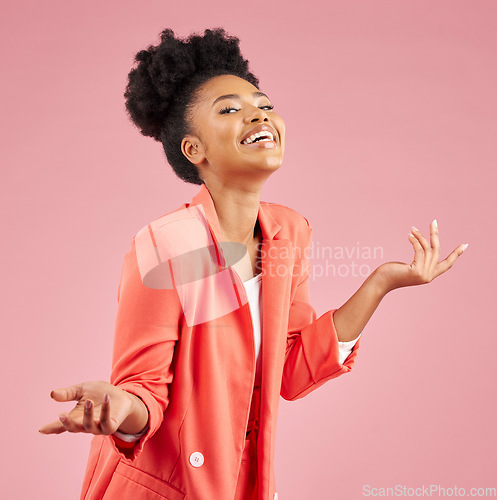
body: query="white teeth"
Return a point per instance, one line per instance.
(269, 137)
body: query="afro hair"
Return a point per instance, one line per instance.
(161, 88)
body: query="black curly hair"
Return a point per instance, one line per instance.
(162, 88)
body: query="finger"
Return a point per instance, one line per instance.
(106, 424)
(418, 261)
(435, 245)
(69, 423)
(89, 423)
(71, 393)
(52, 428)
(422, 240)
(448, 262)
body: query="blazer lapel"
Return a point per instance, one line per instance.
(269, 226)
(277, 261)
(277, 267)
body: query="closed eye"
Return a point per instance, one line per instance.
(228, 109)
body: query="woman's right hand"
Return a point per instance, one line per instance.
(101, 408)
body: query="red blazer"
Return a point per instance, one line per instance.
(184, 344)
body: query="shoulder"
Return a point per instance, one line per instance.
(286, 214)
(177, 231)
(167, 220)
(293, 224)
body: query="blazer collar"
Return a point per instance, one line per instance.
(269, 226)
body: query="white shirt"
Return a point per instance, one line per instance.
(254, 294)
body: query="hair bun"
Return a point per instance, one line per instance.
(161, 85)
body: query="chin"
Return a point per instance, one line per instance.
(275, 166)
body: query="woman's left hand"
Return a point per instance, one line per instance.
(424, 268)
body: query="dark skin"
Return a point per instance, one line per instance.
(233, 172)
(234, 175)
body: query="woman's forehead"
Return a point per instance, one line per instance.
(225, 85)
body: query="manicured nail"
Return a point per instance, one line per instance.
(415, 228)
(63, 418)
(106, 398)
(465, 246)
(87, 404)
(435, 223)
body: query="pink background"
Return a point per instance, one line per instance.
(391, 120)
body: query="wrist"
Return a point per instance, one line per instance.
(380, 281)
(137, 418)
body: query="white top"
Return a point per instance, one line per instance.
(253, 287)
(254, 294)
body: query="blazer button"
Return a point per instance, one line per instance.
(196, 459)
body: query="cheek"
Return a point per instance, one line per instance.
(280, 123)
(219, 140)
(224, 135)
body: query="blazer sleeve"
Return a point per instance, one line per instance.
(312, 352)
(146, 330)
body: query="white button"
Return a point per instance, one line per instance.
(276, 496)
(196, 459)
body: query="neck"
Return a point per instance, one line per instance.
(237, 209)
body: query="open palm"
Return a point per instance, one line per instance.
(425, 266)
(94, 413)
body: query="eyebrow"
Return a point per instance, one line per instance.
(236, 96)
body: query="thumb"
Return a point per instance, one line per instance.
(71, 393)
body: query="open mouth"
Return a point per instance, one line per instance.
(263, 136)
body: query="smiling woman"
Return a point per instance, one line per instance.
(207, 337)
(167, 85)
(226, 131)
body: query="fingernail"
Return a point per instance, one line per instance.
(435, 223)
(415, 228)
(87, 404)
(63, 418)
(106, 398)
(465, 246)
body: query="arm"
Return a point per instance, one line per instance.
(131, 407)
(313, 353)
(351, 318)
(146, 330)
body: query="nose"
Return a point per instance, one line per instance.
(256, 114)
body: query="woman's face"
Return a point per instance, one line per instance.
(229, 110)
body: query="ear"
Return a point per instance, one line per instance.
(193, 149)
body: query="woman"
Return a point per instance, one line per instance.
(214, 322)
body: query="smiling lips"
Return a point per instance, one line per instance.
(261, 136)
